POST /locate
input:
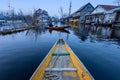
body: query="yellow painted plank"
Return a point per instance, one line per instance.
(81, 70)
(39, 73)
(73, 62)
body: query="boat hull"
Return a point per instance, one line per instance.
(57, 28)
(61, 64)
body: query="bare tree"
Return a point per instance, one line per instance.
(13, 15)
(61, 12)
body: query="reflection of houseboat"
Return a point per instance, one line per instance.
(116, 26)
(96, 33)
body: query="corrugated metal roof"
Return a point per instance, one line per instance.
(113, 10)
(108, 7)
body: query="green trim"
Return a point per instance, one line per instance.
(60, 54)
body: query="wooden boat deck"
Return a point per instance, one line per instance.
(61, 66)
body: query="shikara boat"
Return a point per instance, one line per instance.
(61, 63)
(57, 27)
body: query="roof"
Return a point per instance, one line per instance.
(80, 9)
(108, 7)
(113, 10)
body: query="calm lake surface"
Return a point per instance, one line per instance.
(97, 47)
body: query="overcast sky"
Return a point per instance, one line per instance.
(52, 6)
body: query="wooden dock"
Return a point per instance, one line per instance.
(14, 30)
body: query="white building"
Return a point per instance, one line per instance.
(112, 15)
(99, 15)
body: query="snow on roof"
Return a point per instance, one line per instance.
(113, 10)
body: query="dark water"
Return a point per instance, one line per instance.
(97, 47)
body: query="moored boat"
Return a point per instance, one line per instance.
(61, 64)
(57, 27)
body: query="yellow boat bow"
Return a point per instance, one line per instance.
(61, 64)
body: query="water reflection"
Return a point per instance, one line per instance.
(92, 51)
(97, 33)
(36, 32)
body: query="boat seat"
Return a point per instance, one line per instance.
(60, 43)
(60, 54)
(61, 69)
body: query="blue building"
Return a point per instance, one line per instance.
(82, 12)
(2, 19)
